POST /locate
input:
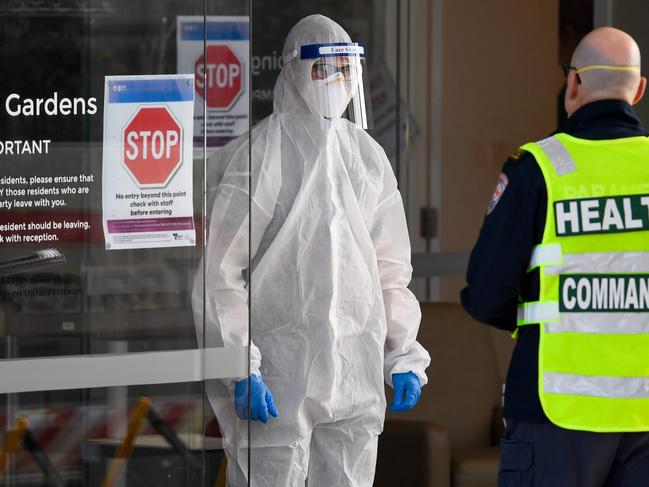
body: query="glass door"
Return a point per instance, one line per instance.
(112, 360)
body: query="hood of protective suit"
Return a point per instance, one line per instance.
(295, 91)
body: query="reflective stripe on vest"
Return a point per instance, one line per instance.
(601, 262)
(593, 265)
(561, 160)
(538, 312)
(600, 323)
(582, 385)
(546, 255)
(608, 323)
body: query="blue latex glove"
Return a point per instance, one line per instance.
(407, 390)
(261, 402)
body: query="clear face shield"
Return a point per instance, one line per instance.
(340, 85)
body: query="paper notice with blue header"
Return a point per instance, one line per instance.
(147, 161)
(216, 50)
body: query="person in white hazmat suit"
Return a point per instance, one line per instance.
(331, 314)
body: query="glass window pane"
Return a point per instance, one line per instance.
(105, 207)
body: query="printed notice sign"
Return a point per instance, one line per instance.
(220, 67)
(147, 161)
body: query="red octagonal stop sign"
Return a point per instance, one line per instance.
(152, 146)
(221, 75)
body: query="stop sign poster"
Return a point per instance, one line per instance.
(147, 161)
(220, 67)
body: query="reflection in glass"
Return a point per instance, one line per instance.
(90, 302)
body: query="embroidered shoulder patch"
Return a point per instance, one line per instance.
(503, 181)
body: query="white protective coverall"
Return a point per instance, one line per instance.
(332, 317)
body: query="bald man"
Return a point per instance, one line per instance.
(562, 261)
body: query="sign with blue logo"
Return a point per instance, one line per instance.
(216, 50)
(148, 161)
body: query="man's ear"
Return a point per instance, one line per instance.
(572, 85)
(640, 91)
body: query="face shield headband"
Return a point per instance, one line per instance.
(334, 49)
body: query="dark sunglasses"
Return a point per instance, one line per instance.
(566, 71)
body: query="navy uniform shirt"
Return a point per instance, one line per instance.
(497, 276)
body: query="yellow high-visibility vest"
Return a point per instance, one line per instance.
(593, 262)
